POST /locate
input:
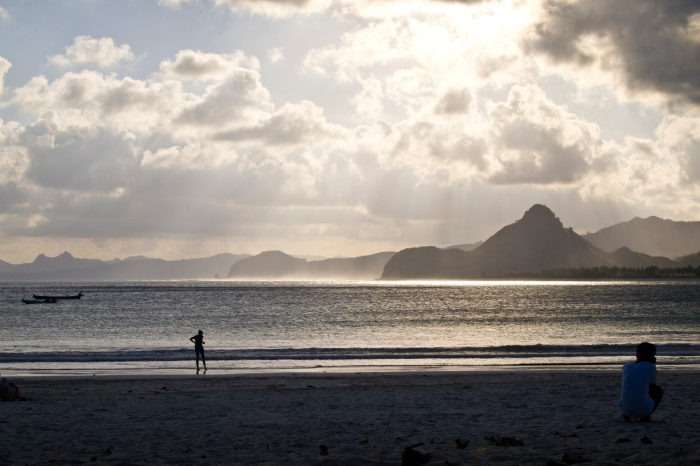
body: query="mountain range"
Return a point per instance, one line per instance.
(652, 235)
(65, 267)
(536, 242)
(276, 264)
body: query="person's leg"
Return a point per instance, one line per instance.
(197, 356)
(204, 362)
(655, 393)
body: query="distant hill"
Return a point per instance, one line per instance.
(465, 247)
(691, 259)
(5, 266)
(65, 267)
(625, 257)
(64, 261)
(427, 262)
(536, 242)
(652, 235)
(267, 264)
(276, 264)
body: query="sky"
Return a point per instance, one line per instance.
(186, 128)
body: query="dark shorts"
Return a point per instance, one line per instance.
(198, 349)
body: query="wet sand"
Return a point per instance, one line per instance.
(507, 417)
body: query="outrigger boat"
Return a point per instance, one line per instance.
(40, 301)
(41, 297)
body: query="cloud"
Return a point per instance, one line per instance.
(681, 137)
(239, 97)
(4, 14)
(536, 141)
(13, 157)
(4, 67)
(654, 46)
(101, 52)
(427, 119)
(80, 159)
(275, 55)
(234, 93)
(87, 97)
(271, 8)
(277, 8)
(176, 3)
(292, 124)
(195, 65)
(454, 101)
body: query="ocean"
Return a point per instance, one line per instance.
(144, 327)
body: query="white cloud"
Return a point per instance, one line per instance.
(275, 55)
(238, 98)
(13, 157)
(429, 118)
(95, 159)
(277, 8)
(454, 101)
(4, 67)
(101, 52)
(176, 3)
(195, 65)
(536, 141)
(271, 8)
(291, 125)
(84, 98)
(4, 14)
(681, 137)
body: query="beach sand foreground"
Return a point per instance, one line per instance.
(561, 417)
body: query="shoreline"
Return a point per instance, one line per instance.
(362, 418)
(149, 372)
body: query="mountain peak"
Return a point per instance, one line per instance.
(540, 214)
(44, 258)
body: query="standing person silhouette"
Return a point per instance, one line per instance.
(198, 341)
(640, 394)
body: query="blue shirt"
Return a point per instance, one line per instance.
(634, 399)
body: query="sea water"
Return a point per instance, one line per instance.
(334, 326)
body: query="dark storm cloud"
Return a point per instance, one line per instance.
(653, 40)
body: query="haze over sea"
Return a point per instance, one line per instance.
(337, 326)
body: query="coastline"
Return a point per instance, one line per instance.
(363, 417)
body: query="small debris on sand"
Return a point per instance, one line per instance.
(411, 457)
(505, 441)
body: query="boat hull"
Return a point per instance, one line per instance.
(42, 297)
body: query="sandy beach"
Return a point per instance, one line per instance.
(507, 417)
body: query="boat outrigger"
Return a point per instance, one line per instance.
(42, 297)
(40, 301)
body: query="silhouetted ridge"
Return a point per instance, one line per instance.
(276, 264)
(66, 267)
(540, 216)
(267, 264)
(536, 242)
(652, 235)
(625, 257)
